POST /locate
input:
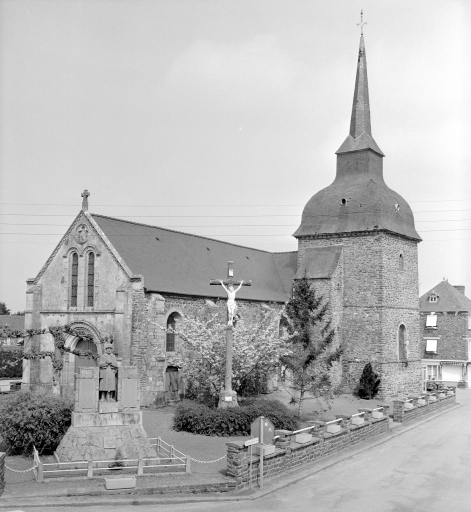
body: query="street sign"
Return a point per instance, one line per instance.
(266, 433)
(250, 442)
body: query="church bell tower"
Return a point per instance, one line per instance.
(357, 242)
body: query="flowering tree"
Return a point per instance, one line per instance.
(313, 363)
(257, 349)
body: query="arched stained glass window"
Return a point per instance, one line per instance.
(171, 335)
(90, 279)
(74, 280)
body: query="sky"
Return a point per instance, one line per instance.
(222, 118)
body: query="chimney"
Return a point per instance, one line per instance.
(460, 289)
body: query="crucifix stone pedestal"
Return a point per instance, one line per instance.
(228, 397)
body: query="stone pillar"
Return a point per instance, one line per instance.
(284, 441)
(2, 472)
(236, 453)
(398, 410)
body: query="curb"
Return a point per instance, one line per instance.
(168, 497)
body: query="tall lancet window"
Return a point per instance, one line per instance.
(90, 279)
(74, 280)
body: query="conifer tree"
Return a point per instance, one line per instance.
(369, 383)
(312, 342)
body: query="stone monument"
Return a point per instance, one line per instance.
(228, 397)
(105, 429)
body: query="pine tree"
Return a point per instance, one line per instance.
(312, 341)
(369, 383)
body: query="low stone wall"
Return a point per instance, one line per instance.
(2, 472)
(290, 454)
(401, 414)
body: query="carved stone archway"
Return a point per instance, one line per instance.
(69, 366)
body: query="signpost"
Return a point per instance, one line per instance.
(263, 430)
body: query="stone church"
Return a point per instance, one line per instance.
(356, 241)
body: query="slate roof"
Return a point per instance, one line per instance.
(449, 299)
(15, 322)
(319, 262)
(179, 263)
(358, 200)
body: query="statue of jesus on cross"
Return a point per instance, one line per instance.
(228, 398)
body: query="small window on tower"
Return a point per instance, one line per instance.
(401, 262)
(431, 321)
(431, 346)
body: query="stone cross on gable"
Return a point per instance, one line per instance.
(85, 195)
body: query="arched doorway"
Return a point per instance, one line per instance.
(85, 360)
(172, 380)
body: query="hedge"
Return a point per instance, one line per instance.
(28, 419)
(199, 419)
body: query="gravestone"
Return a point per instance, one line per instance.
(105, 430)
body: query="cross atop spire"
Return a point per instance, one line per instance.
(85, 195)
(361, 22)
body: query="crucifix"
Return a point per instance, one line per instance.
(228, 397)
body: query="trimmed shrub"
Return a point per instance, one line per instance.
(28, 419)
(369, 383)
(11, 363)
(199, 419)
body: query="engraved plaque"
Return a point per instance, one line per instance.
(109, 442)
(87, 394)
(129, 397)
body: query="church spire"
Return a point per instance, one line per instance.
(361, 121)
(360, 136)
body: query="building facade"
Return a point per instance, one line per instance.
(445, 326)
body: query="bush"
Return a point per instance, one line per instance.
(369, 383)
(199, 419)
(28, 419)
(11, 363)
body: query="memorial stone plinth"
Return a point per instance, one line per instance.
(105, 430)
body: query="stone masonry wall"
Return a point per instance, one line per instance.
(291, 454)
(148, 350)
(402, 415)
(452, 331)
(378, 296)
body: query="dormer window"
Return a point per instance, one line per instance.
(433, 297)
(431, 321)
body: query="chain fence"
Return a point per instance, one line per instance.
(208, 461)
(20, 470)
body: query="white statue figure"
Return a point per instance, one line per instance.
(231, 303)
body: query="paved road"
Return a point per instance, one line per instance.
(427, 469)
